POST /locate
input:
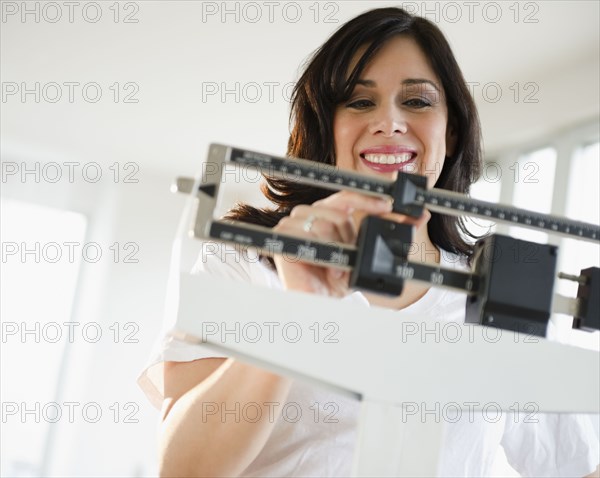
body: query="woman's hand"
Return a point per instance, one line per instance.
(334, 219)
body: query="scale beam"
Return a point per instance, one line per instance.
(409, 193)
(465, 366)
(501, 293)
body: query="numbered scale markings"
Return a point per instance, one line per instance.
(439, 200)
(344, 257)
(333, 254)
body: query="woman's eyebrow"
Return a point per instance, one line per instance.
(407, 82)
(420, 81)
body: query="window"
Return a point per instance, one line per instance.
(533, 177)
(561, 179)
(486, 189)
(583, 204)
(37, 288)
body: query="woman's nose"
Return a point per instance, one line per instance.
(388, 121)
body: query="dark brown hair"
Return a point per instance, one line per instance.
(325, 84)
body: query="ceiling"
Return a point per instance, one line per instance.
(541, 57)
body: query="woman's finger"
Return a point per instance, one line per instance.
(349, 201)
(343, 221)
(311, 228)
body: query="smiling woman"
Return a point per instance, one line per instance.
(384, 94)
(371, 128)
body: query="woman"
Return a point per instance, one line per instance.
(383, 94)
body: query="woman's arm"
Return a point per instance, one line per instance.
(197, 436)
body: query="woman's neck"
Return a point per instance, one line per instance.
(422, 249)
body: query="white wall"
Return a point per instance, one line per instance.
(566, 95)
(146, 214)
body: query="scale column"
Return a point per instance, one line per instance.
(393, 440)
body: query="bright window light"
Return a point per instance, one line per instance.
(37, 291)
(583, 204)
(486, 189)
(533, 176)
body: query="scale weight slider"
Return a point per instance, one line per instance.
(588, 314)
(516, 284)
(380, 244)
(405, 191)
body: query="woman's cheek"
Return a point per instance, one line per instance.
(432, 168)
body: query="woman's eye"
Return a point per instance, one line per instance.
(360, 104)
(417, 103)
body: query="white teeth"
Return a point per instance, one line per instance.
(388, 158)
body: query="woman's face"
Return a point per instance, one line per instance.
(396, 119)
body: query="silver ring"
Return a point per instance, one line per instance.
(308, 224)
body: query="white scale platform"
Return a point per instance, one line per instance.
(469, 364)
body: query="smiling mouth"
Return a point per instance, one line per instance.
(386, 163)
(387, 158)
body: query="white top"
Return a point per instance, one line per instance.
(315, 431)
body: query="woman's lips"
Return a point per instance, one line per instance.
(387, 163)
